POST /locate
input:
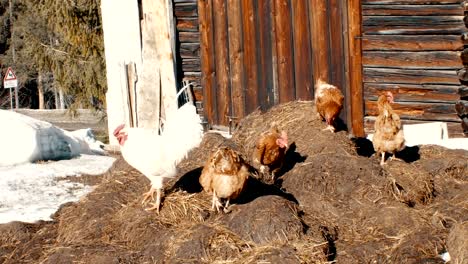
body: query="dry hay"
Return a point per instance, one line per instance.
(457, 243)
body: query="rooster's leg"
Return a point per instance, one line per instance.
(382, 161)
(157, 204)
(148, 195)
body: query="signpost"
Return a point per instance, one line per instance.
(10, 81)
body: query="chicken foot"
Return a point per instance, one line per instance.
(157, 204)
(215, 202)
(148, 196)
(329, 127)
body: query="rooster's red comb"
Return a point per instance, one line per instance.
(117, 129)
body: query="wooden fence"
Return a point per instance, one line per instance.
(255, 54)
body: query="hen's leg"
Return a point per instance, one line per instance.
(226, 207)
(148, 195)
(395, 158)
(329, 127)
(382, 162)
(216, 202)
(157, 204)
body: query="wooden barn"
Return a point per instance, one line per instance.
(242, 55)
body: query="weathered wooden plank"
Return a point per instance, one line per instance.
(412, 43)
(412, 59)
(302, 51)
(186, 9)
(413, 92)
(236, 58)
(221, 43)
(250, 40)
(418, 110)
(396, 25)
(321, 45)
(411, 2)
(284, 49)
(461, 107)
(454, 128)
(189, 37)
(189, 50)
(191, 65)
(387, 75)
(264, 20)
(205, 12)
(414, 10)
(187, 23)
(355, 67)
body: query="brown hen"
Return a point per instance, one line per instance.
(270, 150)
(225, 175)
(388, 135)
(329, 102)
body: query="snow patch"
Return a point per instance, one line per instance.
(31, 191)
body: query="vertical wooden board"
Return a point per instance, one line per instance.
(265, 55)
(337, 48)
(302, 51)
(236, 58)
(207, 58)
(221, 61)
(320, 40)
(355, 67)
(284, 50)
(250, 54)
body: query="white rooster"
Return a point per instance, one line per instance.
(156, 156)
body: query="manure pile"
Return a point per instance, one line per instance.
(331, 202)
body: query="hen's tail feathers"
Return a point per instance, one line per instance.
(183, 130)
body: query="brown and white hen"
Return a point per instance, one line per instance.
(225, 175)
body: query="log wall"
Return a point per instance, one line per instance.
(412, 48)
(188, 46)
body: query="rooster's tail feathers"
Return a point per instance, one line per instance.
(184, 130)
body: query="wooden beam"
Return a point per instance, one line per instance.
(302, 50)
(236, 58)
(414, 10)
(418, 110)
(413, 92)
(355, 67)
(221, 45)
(388, 75)
(397, 25)
(205, 11)
(250, 40)
(320, 40)
(412, 59)
(265, 57)
(412, 42)
(284, 48)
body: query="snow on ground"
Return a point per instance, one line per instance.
(31, 191)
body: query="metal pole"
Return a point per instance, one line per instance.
(11, 100)
(13, 51)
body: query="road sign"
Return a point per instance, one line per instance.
(10, 81)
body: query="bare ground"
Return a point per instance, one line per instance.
(332, 202)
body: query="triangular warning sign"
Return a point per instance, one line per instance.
(10, 75)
